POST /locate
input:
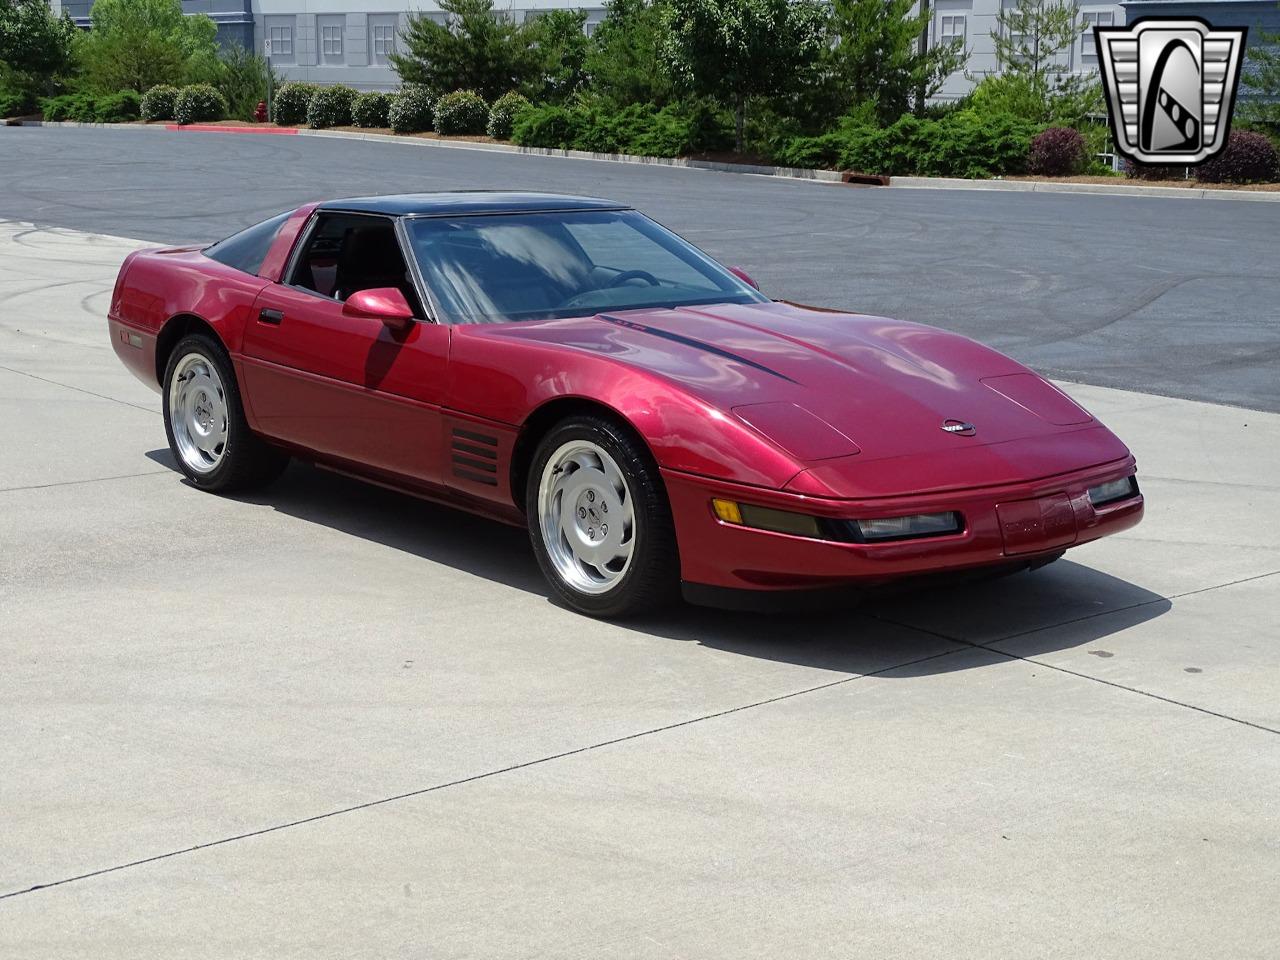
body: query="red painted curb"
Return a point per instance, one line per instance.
(211, 128)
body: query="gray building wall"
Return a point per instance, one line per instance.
(360, 35)
(974, 21)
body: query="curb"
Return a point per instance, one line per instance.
(1103, 189)
(211, 128)
(782, 173)
(792, 173)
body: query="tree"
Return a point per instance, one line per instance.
(877, 59)
(135, 44)
(561, 43)
(35, 46)
(1262, 76)
(474, 50)
(735, 49)
(242, 79)
(624, 62)
(1030, 39)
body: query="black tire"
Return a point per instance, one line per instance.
(246, 461)
(652, 578)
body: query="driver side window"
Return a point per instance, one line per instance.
(346, 253)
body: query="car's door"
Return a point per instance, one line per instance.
(347, 387)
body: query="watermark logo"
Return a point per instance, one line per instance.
(1171, 86)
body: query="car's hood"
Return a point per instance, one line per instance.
(887, 385)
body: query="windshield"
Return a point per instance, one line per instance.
(537, 266)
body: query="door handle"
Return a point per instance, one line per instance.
(271, 316)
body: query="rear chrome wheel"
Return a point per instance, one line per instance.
(600, 521)
(587, 519)
(204, 420)
(198, 412)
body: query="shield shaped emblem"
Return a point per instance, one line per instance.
(1171, 86)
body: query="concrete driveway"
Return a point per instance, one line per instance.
(330, 721)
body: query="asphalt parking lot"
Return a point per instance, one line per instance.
(331, 721)
(1179, 298)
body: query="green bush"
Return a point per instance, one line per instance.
(960, 144)
(461, 112)
(330, 107)
(291, 103)
(243, 79)
(673, 131)
(412, 110)
(549, 126)
(57, 109)
(16, 103)
(503, 113)
(641, 129)
(92, 108)
(199, 103)
(118, 107)
(370, 110)
(159, 101)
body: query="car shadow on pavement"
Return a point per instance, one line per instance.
(1058, 607)
(1061, 606)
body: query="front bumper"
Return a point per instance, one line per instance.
(1006, 526)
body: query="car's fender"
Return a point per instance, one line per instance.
(513, 380)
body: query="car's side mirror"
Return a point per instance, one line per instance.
(382, 303)
(743, 276)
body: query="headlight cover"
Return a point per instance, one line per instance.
(1113, 491)
(909, 528)
(880, 530)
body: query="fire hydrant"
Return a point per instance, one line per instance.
(260, 112)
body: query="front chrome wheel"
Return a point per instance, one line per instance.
(586, 516)
(198, 413)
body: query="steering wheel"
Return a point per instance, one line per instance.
(626, 275)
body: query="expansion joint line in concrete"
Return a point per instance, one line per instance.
(78, 483)
(477, 777)
(1084, 676)
(67, 386)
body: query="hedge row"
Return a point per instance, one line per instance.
(641, 129)
(93, 108)
(965, 143)
(197, 103)
(961, 144)
(412, 110)
(14, 103)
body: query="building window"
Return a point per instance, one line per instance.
(281, 41)
(331, 30)
(1088, 49)
(382, 37)
(951, 28)
(331, 41)
(384, 40)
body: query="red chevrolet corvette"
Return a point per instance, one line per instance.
(567, 364)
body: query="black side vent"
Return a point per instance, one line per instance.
(475, 457)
